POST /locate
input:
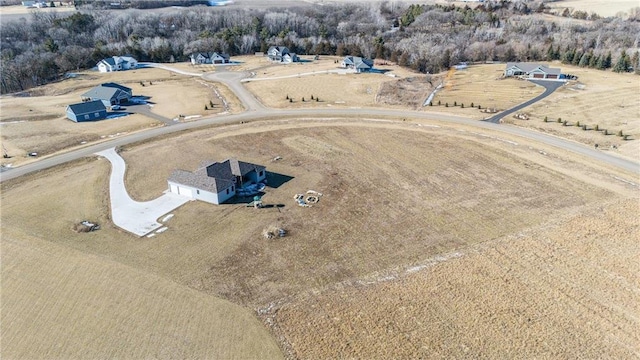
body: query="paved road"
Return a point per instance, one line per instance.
(549, 88)
(258, 111)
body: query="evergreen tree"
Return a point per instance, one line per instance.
(606, 63)
(593, 60)
(584, 60)
(622, 65)
(576, 57)
(635, 62)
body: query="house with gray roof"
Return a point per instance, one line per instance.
(117, 63)
(109, 93)
(86, 111)
(533, 71)
(357, 63)
(209, 58)
(281, 54)
(216, 182)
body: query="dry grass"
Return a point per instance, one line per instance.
(564, 290)
(394, 194)
(37, 122)
(600, 98)
(58, 302)
(482, 85)
(602, 8)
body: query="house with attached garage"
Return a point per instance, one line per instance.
(532, 71)
(109, 93)
(357, 63)
(209, 58)
(117, 63)
(87, 111)
(216, 182)
(281, 54)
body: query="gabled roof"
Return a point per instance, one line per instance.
(528, 67)
(103, 92)
(279, 50)
(358, 62)
(87, 107)
(210, 55)
(110, 60)
(214, 176)
(117, 86)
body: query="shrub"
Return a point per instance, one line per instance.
(439, 103)
(206, 108)
(446, 104)
(620, 133)
(578, 123)
(472, 105)
(584, 127)
(462, 106)
(596, 128)
(625, 137)
(211, 104)
(546, 119)
(317, 99)
(455, 103)
(290, 100)
(559, 120)
(564, 123)
(430, 103)
(302, 99)
(288, 97)
(479, 107)
(606, 132)
(311, 97)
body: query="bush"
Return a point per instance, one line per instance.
(625, 137)
(446, 104)
(479, 107)
(455, 103)
(584, 127)
(462, 106)
(564, 123)
(546, 119)
(311, 97)
(606, 132)
(559, 120)
(472, 105)
(290, 100)
(620, 133)
(317, 99)
(211, 104)
(206, 108)
(439, 103)
(596, 128)
(578, 123)
(288, 97)
(302, 99)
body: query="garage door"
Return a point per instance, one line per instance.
(185, 191)
(538, 76)
(174, 189)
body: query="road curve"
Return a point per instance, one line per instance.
(310, 113)
(549, 88)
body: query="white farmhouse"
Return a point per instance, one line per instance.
(117, 63)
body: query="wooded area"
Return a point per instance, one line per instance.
(427, 38)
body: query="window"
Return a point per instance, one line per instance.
(96, 114)
(197, 191)
(233, 188)
(86, 117)
(261, 173)
(227, 191)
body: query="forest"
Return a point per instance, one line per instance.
(427, 38)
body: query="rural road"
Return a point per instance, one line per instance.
(549, 88)
(257, 111)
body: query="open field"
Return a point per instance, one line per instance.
(567, 289)
(597, 98)
(63, 303)
(35, 121)
(471, 85)
(602, 8)
(395, 194)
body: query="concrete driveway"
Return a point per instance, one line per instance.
(139, 218)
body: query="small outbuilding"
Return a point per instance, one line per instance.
(87, 111)
(216, 182)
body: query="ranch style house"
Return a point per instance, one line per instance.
(357, 63)
(86, 111)
(216, 182)
(532, 71)
(117, 63)
(109, 93)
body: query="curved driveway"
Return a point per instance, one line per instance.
(258, 111)
(549, 87)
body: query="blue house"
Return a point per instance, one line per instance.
(87, 111)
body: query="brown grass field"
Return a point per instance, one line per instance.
(602, 8)
(36, 121)
(396, 194)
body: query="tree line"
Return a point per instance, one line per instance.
(427, 38)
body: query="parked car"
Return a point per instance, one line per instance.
(116, 107)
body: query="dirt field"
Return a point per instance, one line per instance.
(568, 289)
(395, 194)
(35, 121)
(602, 8)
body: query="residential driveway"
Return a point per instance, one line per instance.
(143, 109)
(549, 88)
(135, 217)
